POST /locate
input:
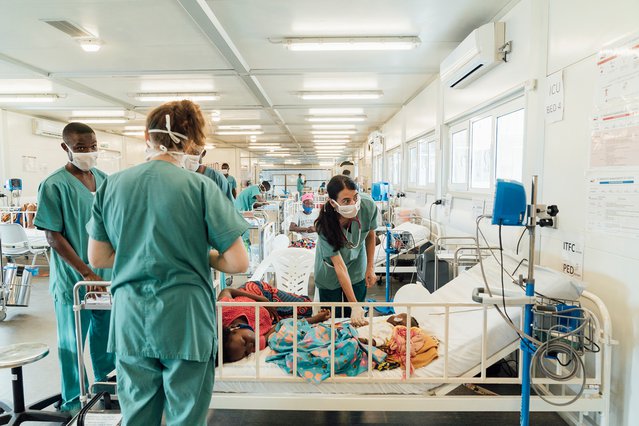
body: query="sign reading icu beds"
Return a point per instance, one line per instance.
(555, 97)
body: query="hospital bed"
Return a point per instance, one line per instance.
(408, 239)
(472, 338)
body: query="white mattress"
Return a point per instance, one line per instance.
(464, 345)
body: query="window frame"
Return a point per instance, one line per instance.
(495, 111)
(425, 141)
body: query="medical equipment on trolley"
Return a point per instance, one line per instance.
(14, 186)
(556, 322)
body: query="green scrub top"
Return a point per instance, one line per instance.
(300, 185)
(221, 181)
(64, 206)
(245, 200)
(232, 182)
(161, 221)
(355, 259)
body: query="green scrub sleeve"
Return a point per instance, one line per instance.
(224, 224)
(49, 215)
(95, 227)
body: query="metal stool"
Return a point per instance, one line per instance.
(14, 357)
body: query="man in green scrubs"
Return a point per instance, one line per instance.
(193, 162)
(64, 208)
(300, 184)
(163, 319)
(344, 274)
(252, 197)
(231, 179)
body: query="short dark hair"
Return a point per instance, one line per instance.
(346, 172)
(299, 174)
(75, 128)
(266, 185)
(226, 165)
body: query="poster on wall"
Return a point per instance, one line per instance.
(615, 120)
(613, 203)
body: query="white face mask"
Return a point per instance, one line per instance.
(349, 211)
(191, 162)
(225, 172)
(84, 161)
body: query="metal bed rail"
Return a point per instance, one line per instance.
(596, 398)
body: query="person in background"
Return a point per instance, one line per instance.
(322, 188)
(346, 172)
(253, 196)
(193, 162)
(163, 319)
(304, 221)
(345, 256)
(64, 207)
(300, 184)
(231, 179)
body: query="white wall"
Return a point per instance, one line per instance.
(548, 36)
(18, 141)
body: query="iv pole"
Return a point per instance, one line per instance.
(527, 349)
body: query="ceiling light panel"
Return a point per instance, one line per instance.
(334, 126)
(28, 97)
(350, 43)
(330, 135)
(340, 95)
(239, 132)
(335, 111)
(333, 132)
(169, 97)
(329, 141)
(100, 120)
(344, 119)
(99, 113)
(239, 127)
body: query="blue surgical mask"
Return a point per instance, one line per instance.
(307, 210)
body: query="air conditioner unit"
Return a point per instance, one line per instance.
(51, 129)
(474, 56)
(375, 138)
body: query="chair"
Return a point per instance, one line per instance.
(280, 242)
(14, 357)
(15, 242)
(293, 267)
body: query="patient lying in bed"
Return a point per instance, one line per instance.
(351, 350)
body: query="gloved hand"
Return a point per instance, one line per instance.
(357, 316)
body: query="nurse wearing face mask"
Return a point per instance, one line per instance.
(64, 207)
(163, 328)
(193, 162)
(344, 260)
(232, 182)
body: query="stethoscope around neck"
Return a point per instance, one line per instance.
(349, 244)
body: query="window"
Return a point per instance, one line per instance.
(459, 157)
(412, 165)
(480, 154)
(394, 166)
(487, 146)
(377, 168)
(510, 146)
(422, 162)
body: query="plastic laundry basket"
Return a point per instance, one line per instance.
(17, 279)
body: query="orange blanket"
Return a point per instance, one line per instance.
(423, 348)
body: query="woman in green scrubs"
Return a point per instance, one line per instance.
(345, 254)
(163, 327)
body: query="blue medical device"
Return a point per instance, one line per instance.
(510, 203)
(380, 191)
(13, 184)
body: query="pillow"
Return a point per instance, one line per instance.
(548, 282)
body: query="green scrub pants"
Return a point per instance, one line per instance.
(337, 295)
(179, 388)
(96, 324)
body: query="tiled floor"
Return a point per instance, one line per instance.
(36, 323)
